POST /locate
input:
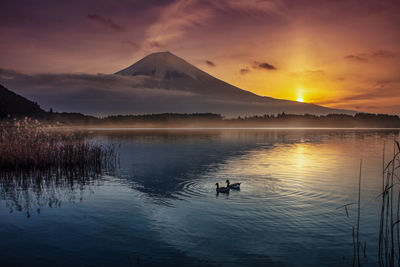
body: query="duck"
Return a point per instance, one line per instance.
(222, 189)
(232, 186)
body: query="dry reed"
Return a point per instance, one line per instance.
(27, 145)
(37, 161)
(389, 240)
(389, 226)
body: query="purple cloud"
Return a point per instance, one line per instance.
(108, 22)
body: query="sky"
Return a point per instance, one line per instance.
(342, 54)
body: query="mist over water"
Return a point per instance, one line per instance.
(160, 206)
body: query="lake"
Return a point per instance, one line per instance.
(160, 207)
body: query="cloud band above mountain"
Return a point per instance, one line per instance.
(160, 82)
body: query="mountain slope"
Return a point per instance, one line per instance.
(167, 71)
(158, 83)
(17, 106)
(172, 72)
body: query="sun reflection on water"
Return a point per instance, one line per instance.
(301, 170)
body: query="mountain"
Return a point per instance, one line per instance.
(17, 106)
(159, 83)
(173, 73)
(169, 72)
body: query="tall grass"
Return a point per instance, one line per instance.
(389, 239)
(28, 145)
(389, 226)
(38, 160)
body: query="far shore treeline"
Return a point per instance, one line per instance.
(359, 120)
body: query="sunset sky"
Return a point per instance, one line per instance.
(342, 54)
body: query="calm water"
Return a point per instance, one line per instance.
(160, 207)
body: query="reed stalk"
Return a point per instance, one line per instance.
(389, 241)
(36, 160)
(358, 216)
(389, 224)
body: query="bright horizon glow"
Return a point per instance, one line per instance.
(300, 97)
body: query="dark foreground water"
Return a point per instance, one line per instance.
(161, 208)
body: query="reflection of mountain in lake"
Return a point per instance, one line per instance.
(161, 207)
(163, 163)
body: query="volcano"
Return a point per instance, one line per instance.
(158, 83)
(170, 72)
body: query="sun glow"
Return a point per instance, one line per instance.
(300, 97)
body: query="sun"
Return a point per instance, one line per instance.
(300, 94)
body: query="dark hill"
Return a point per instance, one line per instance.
(15, 105)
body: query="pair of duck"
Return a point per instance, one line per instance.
(235, 186)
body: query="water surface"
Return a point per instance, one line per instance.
(160, 206)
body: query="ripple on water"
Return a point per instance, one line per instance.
(265, 203)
